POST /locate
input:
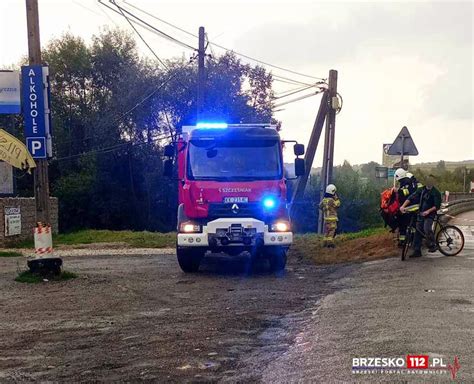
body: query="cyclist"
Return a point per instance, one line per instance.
(406, 188)
(429, 199)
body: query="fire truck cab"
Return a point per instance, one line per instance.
(232, 192)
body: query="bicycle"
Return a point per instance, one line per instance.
(448, 238)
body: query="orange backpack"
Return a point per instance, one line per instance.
(389, 206)
(387, 197)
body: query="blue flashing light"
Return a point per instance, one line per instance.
(212, 125)
(269, 202)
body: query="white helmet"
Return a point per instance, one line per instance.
(409, 175)
(331, 189)
(400, 173)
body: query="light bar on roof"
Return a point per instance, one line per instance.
(211, 125)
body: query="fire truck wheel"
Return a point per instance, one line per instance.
(189, 259)
(277, 259)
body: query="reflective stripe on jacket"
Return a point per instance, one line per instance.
(329, 207)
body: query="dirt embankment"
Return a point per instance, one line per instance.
(378, 246)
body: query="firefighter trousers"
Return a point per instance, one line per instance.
(329, 232)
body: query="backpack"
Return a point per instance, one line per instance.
(389, 206)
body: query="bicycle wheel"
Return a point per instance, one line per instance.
(450, 240)
(408, 242)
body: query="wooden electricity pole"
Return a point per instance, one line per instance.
(41, 181)
(201, 74)
(328, 157)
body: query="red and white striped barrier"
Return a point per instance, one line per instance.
(43, 240)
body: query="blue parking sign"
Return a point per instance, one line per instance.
(37, 147)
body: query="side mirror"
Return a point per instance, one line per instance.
(298, 149)
(299, 167)
(169, 150)
(168, 168)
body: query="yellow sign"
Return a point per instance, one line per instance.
(14, 152)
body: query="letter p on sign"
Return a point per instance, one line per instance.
(37, 147)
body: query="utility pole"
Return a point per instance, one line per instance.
(41, 180)
(328, 157)
(44, 265)
(201, 74)
(311, 149)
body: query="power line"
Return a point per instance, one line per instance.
(141, 37)
(133, 21)
(222, 47)
(158, 31)
(112, 148)
(106, 14)
(149, 47)
(163, 21)
(288, 90)
(298, 99)
(288, 80)
(292, 93)
(87, 8)
(149, 27)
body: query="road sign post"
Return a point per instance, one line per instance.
(403, 145)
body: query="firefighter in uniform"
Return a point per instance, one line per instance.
(329, 206)
(405, 189)
(408, 186)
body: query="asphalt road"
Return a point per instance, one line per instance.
(387, 308)
(133, 315)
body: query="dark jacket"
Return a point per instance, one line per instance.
(427, 198)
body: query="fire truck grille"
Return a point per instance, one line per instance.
(218, 210)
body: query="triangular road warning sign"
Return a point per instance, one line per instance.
(403, 144)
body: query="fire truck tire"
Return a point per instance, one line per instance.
(277, 258)
(189, 259)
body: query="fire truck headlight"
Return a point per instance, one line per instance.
(269, 202)
(190, 228)
(280, 226)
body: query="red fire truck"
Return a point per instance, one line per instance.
(232, 192)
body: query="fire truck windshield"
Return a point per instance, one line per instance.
(234, 160)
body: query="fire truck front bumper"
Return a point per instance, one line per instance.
(229, 232)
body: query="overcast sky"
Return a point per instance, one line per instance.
(400, 63)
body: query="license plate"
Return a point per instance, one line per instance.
(236, 199)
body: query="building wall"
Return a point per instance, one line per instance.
(28, 218)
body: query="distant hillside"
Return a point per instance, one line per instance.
(450, 165)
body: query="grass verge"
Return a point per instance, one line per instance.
(10, 254)
(92, 236)
(32, 278)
